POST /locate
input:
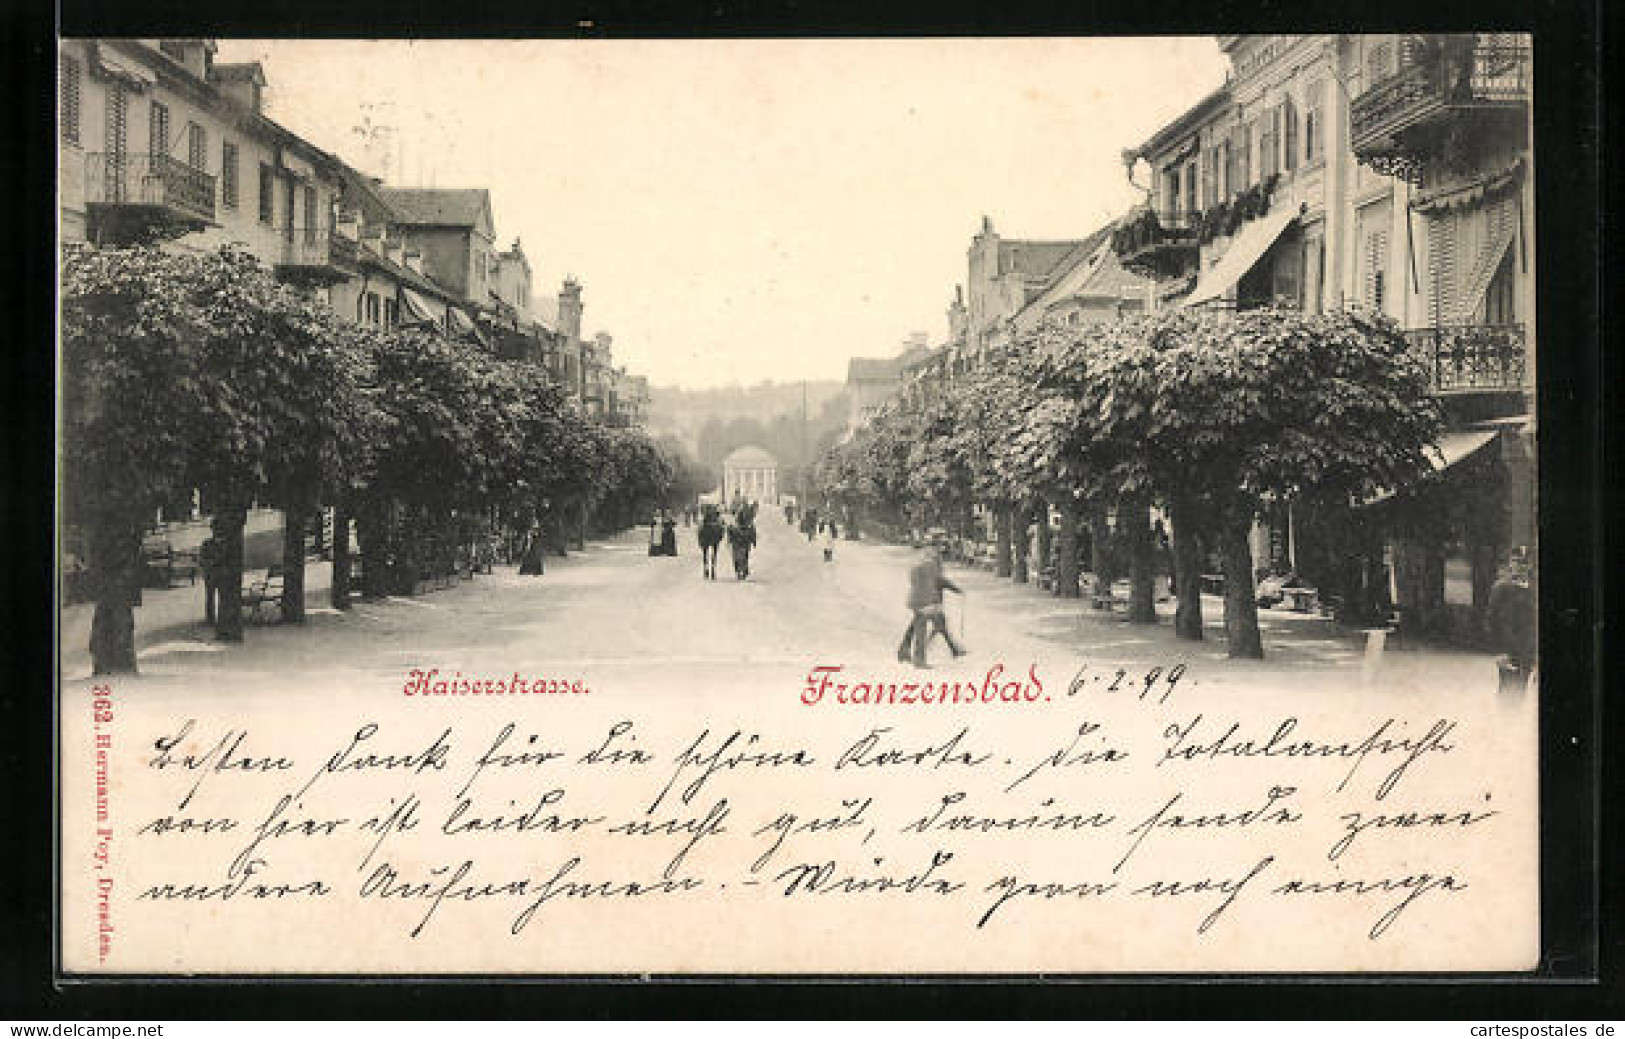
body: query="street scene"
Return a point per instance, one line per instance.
(1163, 477)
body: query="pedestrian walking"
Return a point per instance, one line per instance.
(826, 538)
(1510, 618)
(208, 561)
(926, 583)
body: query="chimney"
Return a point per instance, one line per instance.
(242, 82)
(570, 310)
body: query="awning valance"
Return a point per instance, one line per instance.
(1249, 246)
(1452, 449)
(420, 309)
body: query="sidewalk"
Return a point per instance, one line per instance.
(1006, 617)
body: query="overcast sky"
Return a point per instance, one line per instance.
(740, 211)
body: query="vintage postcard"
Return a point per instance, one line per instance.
(798, 507)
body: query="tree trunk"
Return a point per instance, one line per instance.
(581, 527)
(293, 562)
(1003, 519)
(1135, 523)
(1066, 553)
(1187, 570)
(1102, 552)
(115, 560)
(341, 558)
(227, 525)
(1022, 543)
(1240, 604)
(1045, 548)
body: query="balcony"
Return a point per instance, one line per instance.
(309, 258)
(1157, 245)
(135, 196)
(1451, 90)
(1473, 358)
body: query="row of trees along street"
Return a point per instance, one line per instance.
(184, 371)
(1208, 416)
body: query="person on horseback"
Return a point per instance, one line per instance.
(710, 535)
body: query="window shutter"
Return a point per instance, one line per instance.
(69, 87)
(158, 129)
(1289, 119)
(196, 147)
(1442, 266)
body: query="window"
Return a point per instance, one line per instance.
(1313, 122)
(1210, 178)
(1500, 307)
(1170, 177)
(1376, 263)
(197, 147)
(1289, 135)
(266, 203)
(373, 310)
(288, 192)
(68, 84)
(1244, 163)
(392, 313)
(1190, 187)
(1226, 170)
(228, 174)
(1269, 143)
(310, 215)
(158, 127)
(1377, 64)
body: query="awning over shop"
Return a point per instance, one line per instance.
(1249, 247)
(1452, 449)
(419, 308)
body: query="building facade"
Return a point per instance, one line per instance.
(1389, 174)
(750, 474)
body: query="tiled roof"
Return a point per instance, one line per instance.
(445, 207)
(1034, 259)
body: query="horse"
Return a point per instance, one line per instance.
(710, 534)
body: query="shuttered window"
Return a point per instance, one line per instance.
(69, 85)
(1245, 163)
(228, 174)
(267, 202)
(1226, 170)
(1376, 269)
(1190, 186)
(1314, 122)
(310, 214)
(1210, 178)
(1289, 135)
(197, 155)
(1269, 143)
(158, 129)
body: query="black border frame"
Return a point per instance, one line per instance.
(1579, 971)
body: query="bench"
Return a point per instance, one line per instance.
(185, 561)
(262, 592)
(156, 554)
(1301, 600)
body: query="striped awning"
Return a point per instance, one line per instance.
(1249, 246)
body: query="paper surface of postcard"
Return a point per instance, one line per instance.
(471, 640)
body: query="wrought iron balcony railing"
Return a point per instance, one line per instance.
(1473, 357)
(157, 182)
(1443, 77)
(1157, 241)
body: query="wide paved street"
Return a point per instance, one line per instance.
(614, 607)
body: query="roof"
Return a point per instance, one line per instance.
(1035, 259)
(749, 455)
(1185, 123)
(250, 70)
(444, 207)
(872, 369)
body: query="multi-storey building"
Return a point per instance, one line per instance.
(1390, 174)
(158, 141)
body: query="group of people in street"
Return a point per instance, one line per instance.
(737, 527)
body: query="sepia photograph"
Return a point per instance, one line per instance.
(808, 508)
